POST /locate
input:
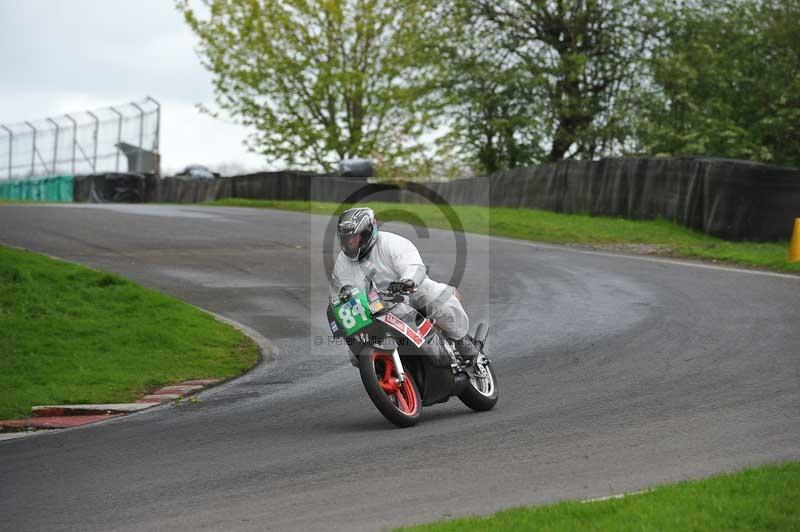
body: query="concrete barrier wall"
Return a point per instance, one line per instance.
(735, 200)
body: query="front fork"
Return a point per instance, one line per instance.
(398, 367)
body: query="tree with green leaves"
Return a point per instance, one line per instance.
(725, 82)
(568, 67)
(494, 119)
(319, 80)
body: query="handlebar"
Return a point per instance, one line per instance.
(388, 295)
(394, 297)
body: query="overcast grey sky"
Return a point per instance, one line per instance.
(59, 56)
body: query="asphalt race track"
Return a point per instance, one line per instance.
(616, 373)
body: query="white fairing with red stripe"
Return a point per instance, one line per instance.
(417, 336)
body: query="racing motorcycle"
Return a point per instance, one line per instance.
(404, 360)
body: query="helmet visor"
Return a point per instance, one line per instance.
(351, 244)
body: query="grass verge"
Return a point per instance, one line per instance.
(659, 237)
(69, 334)
(764, 498)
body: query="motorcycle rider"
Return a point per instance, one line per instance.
(395, 263)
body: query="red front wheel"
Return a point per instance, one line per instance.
(399, 402)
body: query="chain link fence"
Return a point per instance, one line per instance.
(113, 139)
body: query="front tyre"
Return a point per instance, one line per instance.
(400, 403)
(481, 393)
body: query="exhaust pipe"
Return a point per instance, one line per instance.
(480, 335)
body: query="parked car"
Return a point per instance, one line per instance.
(357, 168)
(196, 171)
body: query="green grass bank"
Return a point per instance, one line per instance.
(70, 334)
(764, 498)
(659, 237)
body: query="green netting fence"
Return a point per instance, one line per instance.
(53, 188)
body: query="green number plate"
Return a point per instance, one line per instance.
(353, 315)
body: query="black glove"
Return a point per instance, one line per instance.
(346, 292)
(403, 285)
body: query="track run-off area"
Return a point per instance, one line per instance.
(617, 373)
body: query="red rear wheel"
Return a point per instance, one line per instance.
(399, 402)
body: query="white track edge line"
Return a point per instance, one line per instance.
(658, 260)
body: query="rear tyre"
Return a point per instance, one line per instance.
(481, 393)
(400, 403)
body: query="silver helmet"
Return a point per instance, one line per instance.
(357, 231)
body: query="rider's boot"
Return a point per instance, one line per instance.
(467, 349)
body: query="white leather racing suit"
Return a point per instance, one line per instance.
(393, 258)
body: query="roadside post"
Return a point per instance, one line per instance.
(794, 247)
